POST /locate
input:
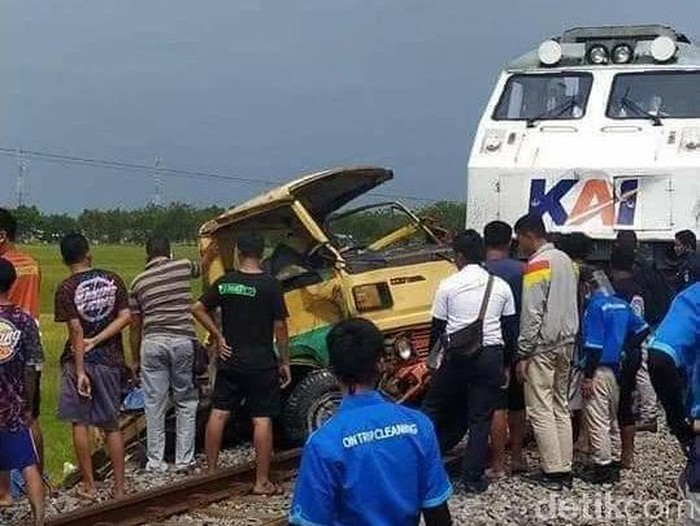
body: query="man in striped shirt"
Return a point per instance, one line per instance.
(162, 336)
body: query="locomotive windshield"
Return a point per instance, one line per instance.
(544, 97)
(671, 94)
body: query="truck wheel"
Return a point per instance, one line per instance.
(313, 401)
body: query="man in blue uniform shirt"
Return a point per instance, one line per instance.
(674, 364)
(373, 462)
(612, 335)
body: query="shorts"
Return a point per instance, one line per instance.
(259, 390)
(512, 397)
(17, 449)
(102, 408)
(36, 403)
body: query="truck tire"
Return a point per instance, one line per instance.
(314, 399)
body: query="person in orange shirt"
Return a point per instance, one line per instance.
(25, 294)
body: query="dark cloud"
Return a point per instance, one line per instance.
(262, 89)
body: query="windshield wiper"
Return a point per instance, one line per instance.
(631, 105)
(556, 111)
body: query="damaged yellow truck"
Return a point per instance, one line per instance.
(378, 261)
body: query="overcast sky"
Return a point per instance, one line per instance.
(263, 89)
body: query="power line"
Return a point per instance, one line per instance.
(157, 170)
(21, 168)
(157, 201)
(128, 166)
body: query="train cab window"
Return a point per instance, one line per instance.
(655, 94)
(552, 96)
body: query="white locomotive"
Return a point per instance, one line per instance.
(598, 131)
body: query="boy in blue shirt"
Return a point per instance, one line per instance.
(612, 335)
(20, 352)
(374, 462)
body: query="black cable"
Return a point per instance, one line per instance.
(136, 167)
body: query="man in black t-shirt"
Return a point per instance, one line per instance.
(688, 270)
(627, 286)
(655, 291)
(253, 319)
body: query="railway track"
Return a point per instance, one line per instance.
(194, 493)
(210, 497)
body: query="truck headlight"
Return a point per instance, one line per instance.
(403, 348)
(372, 297)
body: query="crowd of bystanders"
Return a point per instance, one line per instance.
(524, 335)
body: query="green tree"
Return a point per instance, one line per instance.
(29, 222)
(55, 226)
(448, 214)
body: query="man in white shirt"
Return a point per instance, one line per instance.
(465, 389)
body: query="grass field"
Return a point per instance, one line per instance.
(125, 260)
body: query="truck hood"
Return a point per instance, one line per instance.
(321, 193)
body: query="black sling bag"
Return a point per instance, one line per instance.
(467, 342)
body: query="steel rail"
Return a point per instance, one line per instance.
(158, 504)
(190, 495)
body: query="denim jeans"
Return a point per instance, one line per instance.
(166, 367)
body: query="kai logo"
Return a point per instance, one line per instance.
(574, 202)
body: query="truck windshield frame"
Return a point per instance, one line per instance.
(545, 103)
(668, 94)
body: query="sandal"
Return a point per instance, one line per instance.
(51, 491)
(86, 495)
(270, 489)
(113, 495)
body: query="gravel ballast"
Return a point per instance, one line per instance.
(137, 480)
(646, 495)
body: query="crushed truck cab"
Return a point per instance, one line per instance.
(597, 131)
(379, 262)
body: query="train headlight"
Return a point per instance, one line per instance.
(549, 52)
(403, 348)
(621, 54)
(598, 54)
(691, 139)
(663, 48)
(493, 140)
